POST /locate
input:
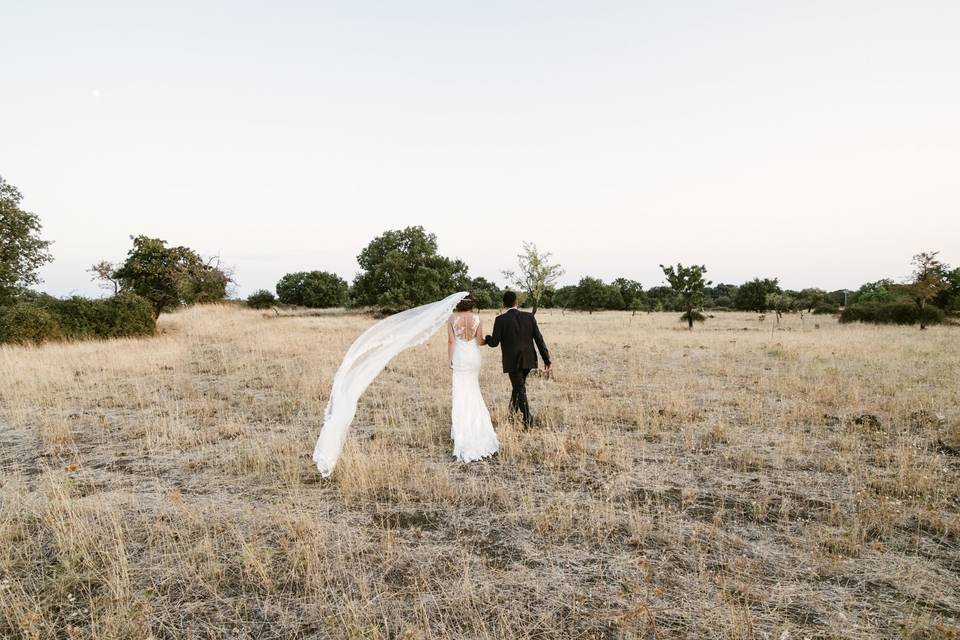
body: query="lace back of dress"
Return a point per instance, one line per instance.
(459, 324)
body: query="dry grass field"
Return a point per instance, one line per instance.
(740, 481)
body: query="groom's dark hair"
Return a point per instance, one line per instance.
(509, 299)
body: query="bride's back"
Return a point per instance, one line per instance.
(465, 324)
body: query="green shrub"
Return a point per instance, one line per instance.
(261, 299)
(315, 289)
(42, 317)
(826, 309)
(25, 322)
(125, 315)
(891, 313)
(37, 297)
(697, 316)
(77, 317)
(170, 277)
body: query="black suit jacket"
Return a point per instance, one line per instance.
(515, 332)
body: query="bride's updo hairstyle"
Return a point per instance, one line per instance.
(467, 304)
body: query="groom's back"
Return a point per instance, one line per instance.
(516, 331)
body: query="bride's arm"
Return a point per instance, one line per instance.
(450, 339)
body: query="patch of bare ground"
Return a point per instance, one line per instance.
(743, 480)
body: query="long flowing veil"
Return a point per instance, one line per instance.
(364, 361)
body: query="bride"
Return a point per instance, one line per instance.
(471, 430)
(472, 433)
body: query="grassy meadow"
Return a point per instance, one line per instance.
(744, 480)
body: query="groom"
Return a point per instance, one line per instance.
(516, 331)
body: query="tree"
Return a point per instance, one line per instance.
(884, 290)
(105, 272)
(261, 299)
(565, 297)
(927, 281)
(486, 293)
(591, 294)
(637, 304)
(402, 269)
(170, 276)
(661, 298)
(205, 281)
(720, 296)
(839, 297)
(22, 252)
(810, 298)
(949, 297)
(613, 298)
(546, 300)
(780, 302)
(535, 274)
(632, 293)
(752, 296)
(688, 284)
(314, 289)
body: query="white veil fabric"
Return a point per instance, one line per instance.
(365, 359)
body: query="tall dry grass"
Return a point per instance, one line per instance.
(744, 480)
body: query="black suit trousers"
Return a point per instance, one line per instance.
(518, 398)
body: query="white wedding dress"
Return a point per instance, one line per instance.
(471, 429)
(368, 355)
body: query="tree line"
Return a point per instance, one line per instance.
(403, 268)
(154, 278)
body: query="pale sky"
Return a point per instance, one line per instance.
(814, 141)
